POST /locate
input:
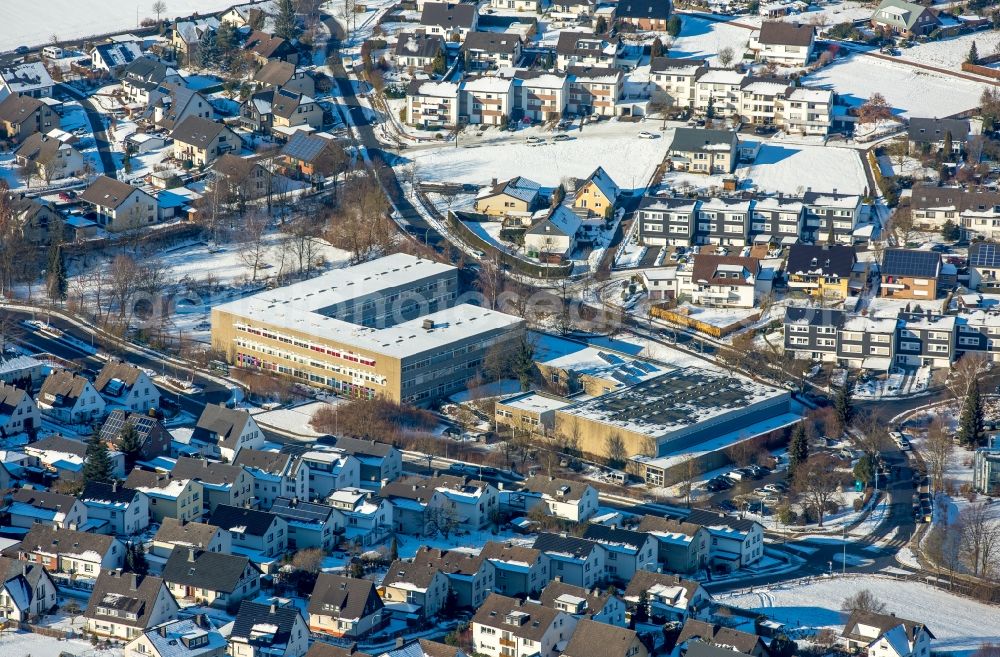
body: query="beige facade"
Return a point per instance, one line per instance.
(201, 153)
(432, 104)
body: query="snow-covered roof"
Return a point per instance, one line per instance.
(722, 76)
(487, 84)
(811, 95)
(435, 89)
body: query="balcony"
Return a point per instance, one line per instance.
(508, 643)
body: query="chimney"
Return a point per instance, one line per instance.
(274, 608)
(493, 182)
(162, 630)
(191, 555)
(114, 486)
(400, 642)
(201, 620)
(428, 324)
(204, 464)
(134, 582)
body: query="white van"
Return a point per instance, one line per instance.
(52, 52)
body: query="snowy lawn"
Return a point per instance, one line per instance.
(788, 168)
(911, 91)
(950, 53)
(703, 38)
(959, 624)
(35, 645)
(614, 145)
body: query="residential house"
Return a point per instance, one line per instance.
(310, 525)
(281, 111)
(200, 141)
(23, 116)
(682, 547)
(453, 22)
(52, 155)
(243, 16)
(21, 371)
(735, 542)
(593, 638)
(806, 111)
(255, 533)
(725, 220)
(229, 429)
(587, 49)
(517, 197)
(36, 222)
(575, 9)
(931, 135)
(125, 605)
(313, 157)
(675, 79)
(28, 507)
(185, 534)
(379, 462)
(820, 271)
(64, 457)
(18, 412)
(186, 637)
(345, 607)
(432, 105)
(541, 95)
(262, 630)
(278, 74)
(469, 503)
(660, 283)
(118, 206)
(367, 519)
(554, 234)
(841, 213)
(69, 398)
(72, 551)
(925, 339)
(722, 281)
(886, 634)
(414, 590)
(419, 50)
(976, 211)
(330, 470)
(777, 220)
(211, 578)
(240, 179)
(717, 91)
(984, 266)
(125, 385)
(715, 634)
(596, 196)
(153, 437)
(26, 590)
(518, 570)
(667, 221)
(223, 483)
(143, 75)
(490, 50)
(702, 150)
(569, 500)
(594, 90)
(125, 510)
(486, 100)
(906, 19)
(594, 605)
(530, 6)
(626, 551)
(910, 274)
(113, 57)
(27, 79)
(170, 497)
(812, 333)
(867, 342)
(172, 103)
(782, 42)
(186, 37)
(575, 560)
(669, 597)
(267, 48)
(508, 627)
(647, 16)
(470, 577)
(274, 475)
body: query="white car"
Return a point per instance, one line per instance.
(535, 141)
(645, 134)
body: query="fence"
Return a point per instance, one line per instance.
(981, 70)
(519, 265)
(663, 312)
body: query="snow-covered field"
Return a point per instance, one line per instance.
(614, 145)
(911, 91)
(960, 625)
(950, 53)
(781, 168)
(702, 38)
(32, 23)
(23, 644)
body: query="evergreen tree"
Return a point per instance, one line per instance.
(950, 231)
(226, 39)
(864, 471)
(56, 280)
(970, 422)
(798, 448)
(285, 24)
(440, 64)
(656, 48)
(97, 463)
(948, 145)
(558, 194)
(208, 50)
(524, 364)
(674, 26)
(601, 26)
(842, 404)
(710, 110)
(641, 614)
(129, 444)
(973, 57)
(135, 558)
(393, 550)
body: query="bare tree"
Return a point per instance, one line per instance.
(980, 539)
(817, 482)
(159, 8)
(253, 247)
(902, 226)
(123, 282)
(966, 371)
(874, 110)
(863, 601)
(942, 547)
(726, 56)
(614, 450)
(870, 433)
(490, 280)
(937, 452)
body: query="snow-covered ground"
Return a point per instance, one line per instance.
(36, 22)
(950, 53)
(293, 420)
(911, 91)
(24, 644)
(788, 168)
(614, 145)
(703, 38)
(960, 625)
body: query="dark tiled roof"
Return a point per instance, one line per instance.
(497, 551)
(320, 649)
(258, 459)
(195, 534)
(934, 130)
(577, 547)
(447, 15)
(52, 540)
(825, 259)
(702, 649)
(884, 622)
(344, 597)
(113, 493)
(814, 316)
(643, 580)
(658, 9)
(226, 423)
(206, 471)
(596, 601)
(61, 444)
(275, 73)
(496, 608)
(593, 639)
(409, 573)
(256, 523)
(255, 613)
(561, 489)
(44, 499)
(108, 192)
(615, 536)
(652, 524)
(698, 139)
(207, 570)
(785, 34)
(707, 268)
(197, 131)
(492, 42)
(416, 44)
(661, 64)
(719, 635)
(124, 592)
(17, 109)
(713, 519)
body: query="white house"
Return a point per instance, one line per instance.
(228, 429)
(508, 627)
(124, 605)
(735, 542)
(574, 560)
(125, 510)
(626, 551)
(26, 590)
(783, 43)
(553, 232)
(27, 79)
(886, 635)
(69, 398)
(570, 500)
(29, 507)
(329, 470)
(722, 281)
(126, 386)
(18, 412)
(275, 475)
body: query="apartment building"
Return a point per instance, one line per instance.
(594, 90)
(726, 220)
(975, 209)
(760, 100)
(807, 111)
(826, 211)
(432, 105)
(667, 221)
(486, 100)
(717, 92)
(926, 338)
(702, 150)
(542, 96)
(489, 50)
(812, 333)
(675, 79)
(910, 274)
(777, 220)
(722, 281)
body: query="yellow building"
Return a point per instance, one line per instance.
(515, 197)
(597, 194)
(820, 270)
(383, 328)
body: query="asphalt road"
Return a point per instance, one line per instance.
(96, 120)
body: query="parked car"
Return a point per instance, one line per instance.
(727, 506)
(535, 141)
(561, 138)
(645, 134)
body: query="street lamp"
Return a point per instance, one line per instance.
(844, 563)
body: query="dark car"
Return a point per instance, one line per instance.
(22, 50)
(727, 506)
(763, 130)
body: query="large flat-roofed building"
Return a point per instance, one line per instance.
(679, 410)
(383, 328)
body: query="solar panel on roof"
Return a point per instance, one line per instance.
(911, 263)
(983, 254)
